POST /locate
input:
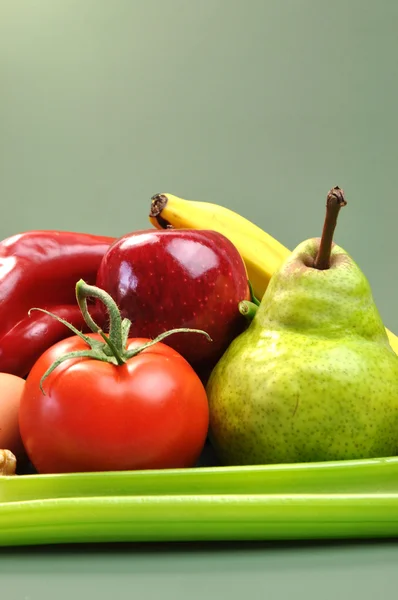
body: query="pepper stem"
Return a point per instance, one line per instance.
(334, 201)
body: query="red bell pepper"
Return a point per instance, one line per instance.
(40, 269)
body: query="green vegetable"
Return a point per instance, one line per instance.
(301, 501)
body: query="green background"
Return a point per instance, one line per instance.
(258, 105)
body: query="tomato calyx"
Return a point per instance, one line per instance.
(113, 348)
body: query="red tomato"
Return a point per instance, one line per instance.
(152, 412)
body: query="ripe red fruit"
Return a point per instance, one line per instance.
(166, 279)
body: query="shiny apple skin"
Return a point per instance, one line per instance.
(166, 279)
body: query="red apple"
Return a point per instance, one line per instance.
(166, 279)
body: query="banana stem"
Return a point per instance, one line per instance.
(158, 203)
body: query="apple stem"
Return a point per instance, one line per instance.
(334, 201)
(248, 309)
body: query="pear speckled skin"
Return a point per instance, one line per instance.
(313, 378)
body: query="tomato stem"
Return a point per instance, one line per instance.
(84, 291)
(162, 336)
(113, 349)
(61, 320)
(76, 354)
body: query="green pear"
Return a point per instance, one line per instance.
(313, 377)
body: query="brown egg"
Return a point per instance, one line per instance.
(11, 388)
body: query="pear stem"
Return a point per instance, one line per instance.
(334, 201)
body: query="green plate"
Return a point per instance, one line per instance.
(345, 499)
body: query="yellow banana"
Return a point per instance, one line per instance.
(393, 339)
(261, 253)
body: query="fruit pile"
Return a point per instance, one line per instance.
(135, 352)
